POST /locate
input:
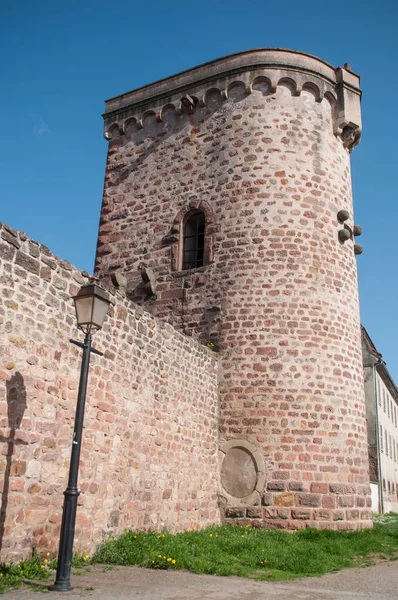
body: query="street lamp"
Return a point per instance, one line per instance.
(91, 304)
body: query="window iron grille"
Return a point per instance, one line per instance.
(194, 241)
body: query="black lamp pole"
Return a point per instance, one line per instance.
(62, 581)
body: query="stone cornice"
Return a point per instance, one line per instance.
(273, 66)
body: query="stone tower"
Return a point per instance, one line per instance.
(227, 211)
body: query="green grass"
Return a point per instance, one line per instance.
(37, 568)
(13, 575)
(243, 551)
(256, 553)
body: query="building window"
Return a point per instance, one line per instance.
(194, 241)
(388, 407)
(194, 230)
(395, 413)
(395, 451)
(384, 484)
(386, 441)
(381, 439)
(379, 392)
(384, 400)
(389, 435)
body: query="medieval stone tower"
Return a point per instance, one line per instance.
(222, 213)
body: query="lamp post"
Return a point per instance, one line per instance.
(91, 304)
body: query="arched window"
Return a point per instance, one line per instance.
(193, 229)
(193, 241)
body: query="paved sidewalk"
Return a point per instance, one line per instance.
(123, 583)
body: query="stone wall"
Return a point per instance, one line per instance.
(260, 143)
(149, 452)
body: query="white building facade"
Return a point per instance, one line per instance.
(382, 423)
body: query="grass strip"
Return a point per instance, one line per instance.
(256, 553)
(40, 567)
(243, 551)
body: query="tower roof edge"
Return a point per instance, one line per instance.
(238, 61)
(277, 66)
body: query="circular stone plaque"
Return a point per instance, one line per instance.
(238, 472)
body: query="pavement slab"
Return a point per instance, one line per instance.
(379, 582)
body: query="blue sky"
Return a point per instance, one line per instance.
(61, 60)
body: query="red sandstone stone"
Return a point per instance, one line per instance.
(319, 488)
(286, 499)
(301, 514)
(308, 500)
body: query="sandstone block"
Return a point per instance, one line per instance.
(303, 515)
(267, 499)
(319, 488)
(295, 486)
(254, 513)
(234, 513)
(7, 252)
(276, 486)
(286, 499)
(346, 501)
(308, 500)
(27, 262)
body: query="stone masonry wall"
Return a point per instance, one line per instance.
(279, 295)
(149, 452)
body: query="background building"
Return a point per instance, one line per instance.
(382, 422)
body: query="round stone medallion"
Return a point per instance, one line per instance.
(238, 472)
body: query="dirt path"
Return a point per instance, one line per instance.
(122, 583)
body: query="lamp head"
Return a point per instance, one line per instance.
(91, 305)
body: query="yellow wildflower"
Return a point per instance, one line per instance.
(48, 554)
(169, 559)
(210, 535)
(45, 560)
(173, 562)
(42, 566)
(159, 556)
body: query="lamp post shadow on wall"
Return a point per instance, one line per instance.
(91, 304)
(16, 406)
